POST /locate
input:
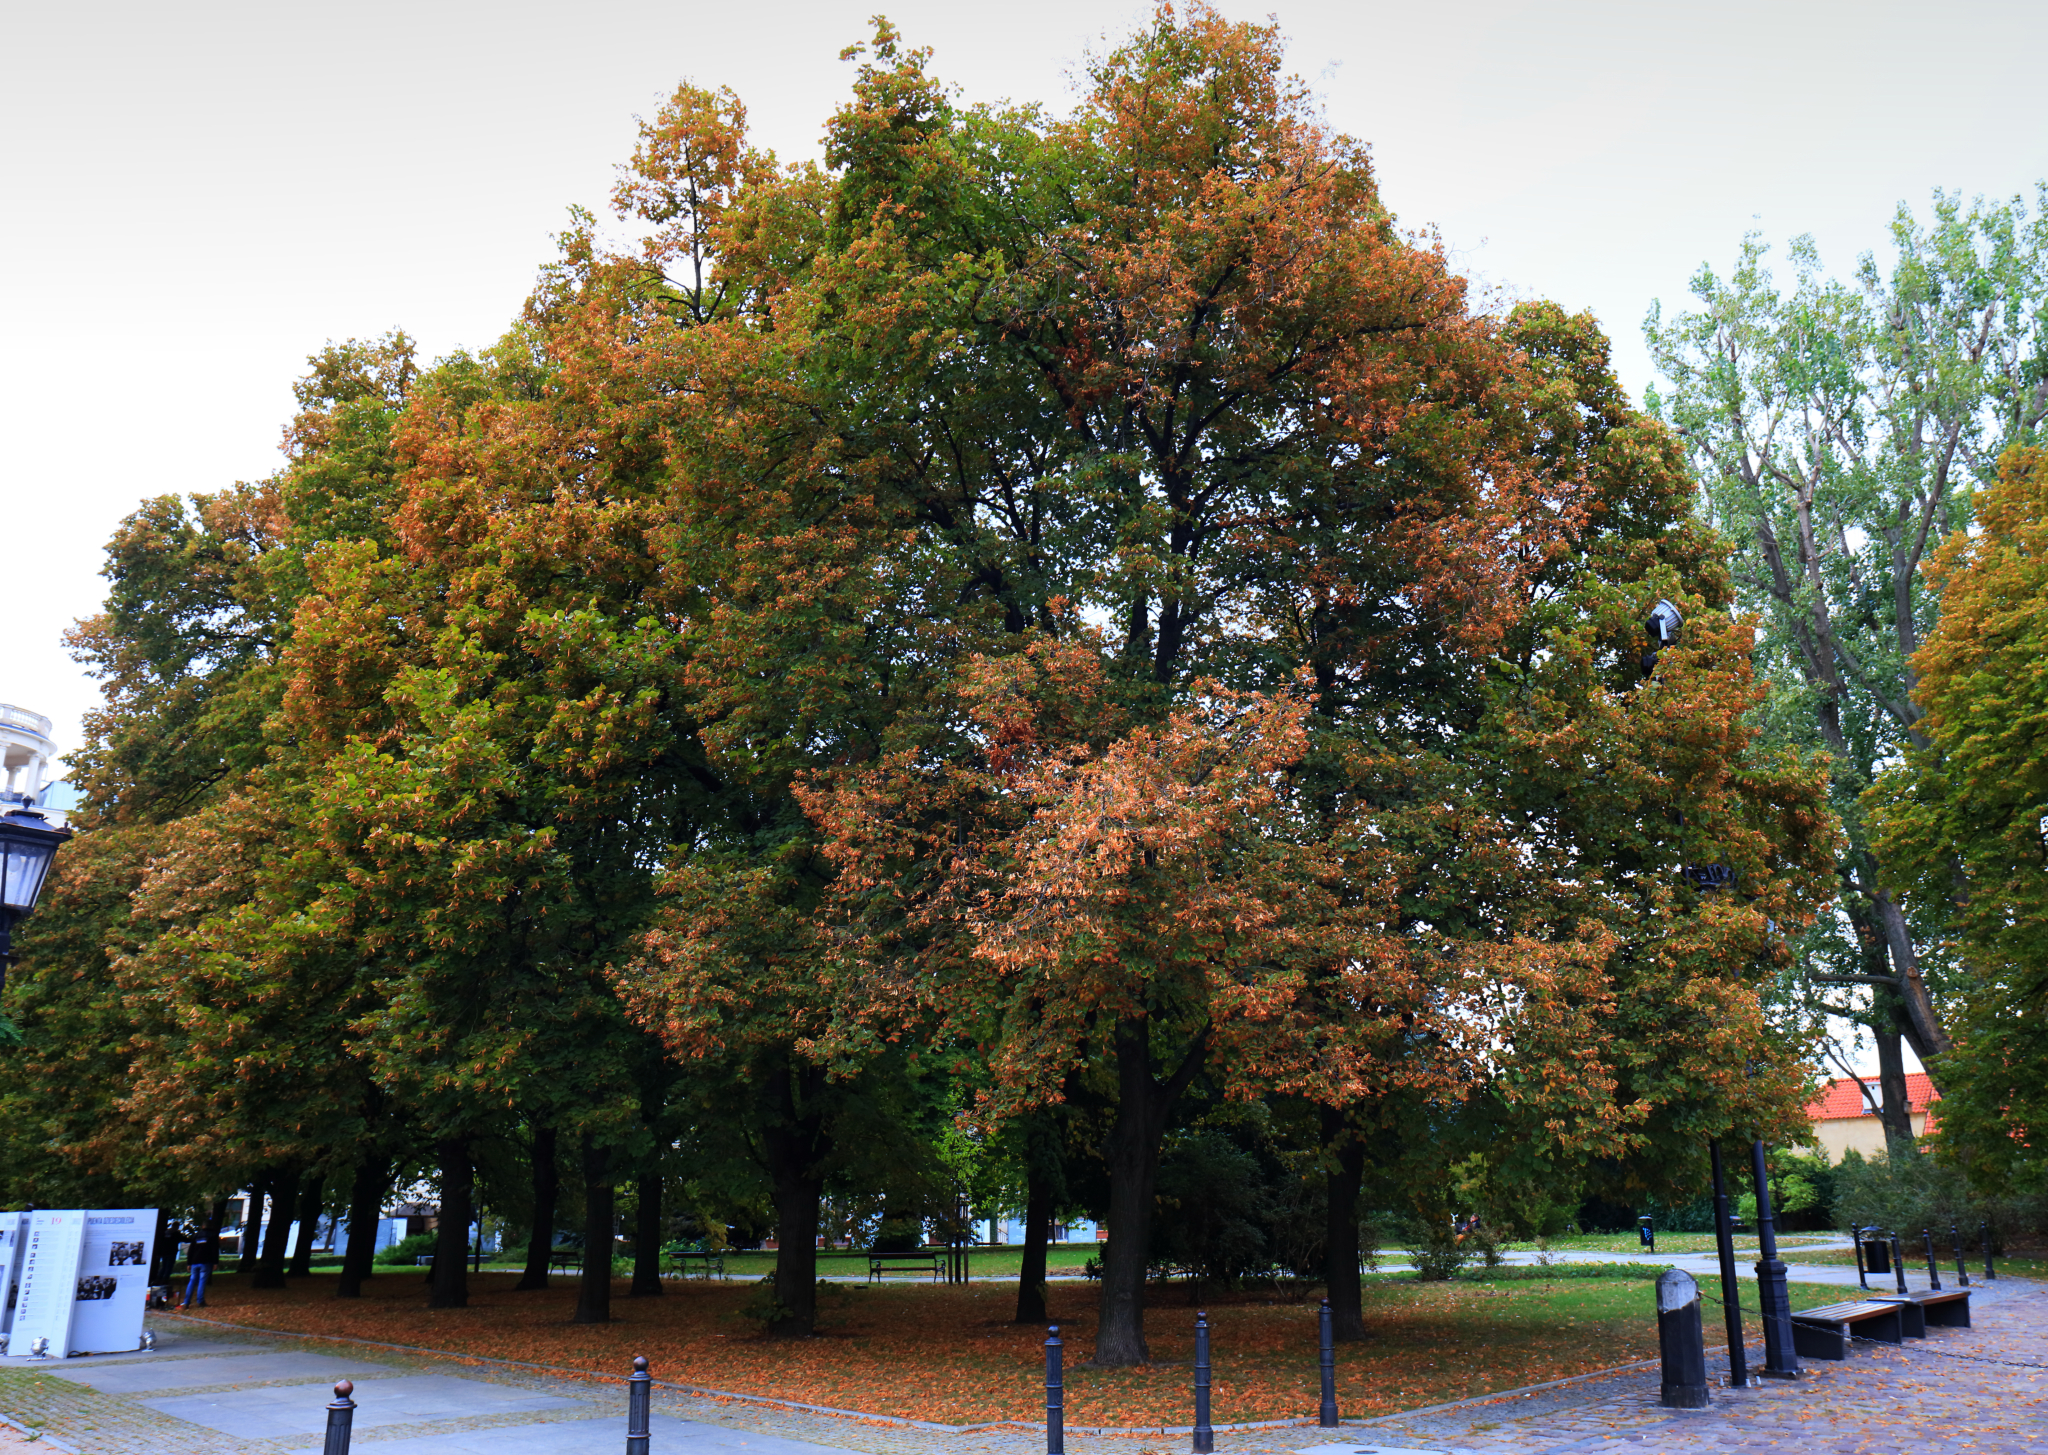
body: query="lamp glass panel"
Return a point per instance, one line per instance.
(22, 870)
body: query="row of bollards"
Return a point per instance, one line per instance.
(1204, 1432)
(1879, 1253)
(341, 1413)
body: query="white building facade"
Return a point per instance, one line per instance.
(27, 752)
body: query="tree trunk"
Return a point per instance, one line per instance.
(594, 1293)
(451, 1234)
(365, 1202)
(309, 1223)
(1893, 1105)
(547, 1191)
(1132, 1151)
(1340, 1231)
(284, 1192)
(647, 1239)
(1037, 1234)
(795, 1143)
(163, 1249)
(252, 1225)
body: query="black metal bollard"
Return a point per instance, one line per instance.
(1682, 1343)
(1933, 1268)
(1899, 1262)
(1731, 1287)
(1962, 1264)
(1055, 1396)
(639, 1385)
(1326, 1412)
(1984, 1232)
(340, 1416)
(1205, 1438)
(1862, 1279)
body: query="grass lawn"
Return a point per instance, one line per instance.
(950, 1353)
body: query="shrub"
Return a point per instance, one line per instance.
(408, 1248)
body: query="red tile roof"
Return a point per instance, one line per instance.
(1841, 1099)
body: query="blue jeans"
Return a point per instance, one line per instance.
(195, 1286)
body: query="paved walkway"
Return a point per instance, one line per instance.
(213, 1392)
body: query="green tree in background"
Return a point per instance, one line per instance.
(1963, 824)
(1839, 428)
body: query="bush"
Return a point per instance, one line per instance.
(1919, 1191)
(1213, 1210)
(408, 1248)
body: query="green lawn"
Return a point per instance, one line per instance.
(1668, 1242)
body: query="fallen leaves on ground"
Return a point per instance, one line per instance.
(951, 1354)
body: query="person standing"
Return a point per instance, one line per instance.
(200, 1258)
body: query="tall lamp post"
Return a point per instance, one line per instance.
(27, 845)
(1781, 1360)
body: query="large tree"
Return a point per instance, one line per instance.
(1963, 823)
(1839, 428)
(1026, 444)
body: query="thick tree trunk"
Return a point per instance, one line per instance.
(284, 1193)
(594, 1292)
(365, 1201)
(163, 1249)
(252, 1225)
(309, 1222)
(451, 1234)
(547, 1191)
(647, 1239)
(1916, 1017)
(1894, 1109)
(1340, 1231)
(795, 1143)
(1037, 1235)
(1132, 1151)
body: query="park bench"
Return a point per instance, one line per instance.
(568, 1260)
(678, 1260)
(880, 1263)
(1947, 1308)
(1825, 1332)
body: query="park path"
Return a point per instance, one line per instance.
(216, 1391)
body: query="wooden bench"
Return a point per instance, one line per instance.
(678, 1260)
(568, 1260)
(880, 1263)
(1947, 1308)
(1825, 1332)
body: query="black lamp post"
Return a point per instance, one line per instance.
(27, 845)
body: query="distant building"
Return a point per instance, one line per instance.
(1843, 1116)
(27, 752)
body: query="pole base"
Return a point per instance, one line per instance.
(1748, 1381)
(1779, 1373)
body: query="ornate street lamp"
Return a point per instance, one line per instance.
(1662, 627)
(27, 845)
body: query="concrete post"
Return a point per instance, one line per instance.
(1680, 1339)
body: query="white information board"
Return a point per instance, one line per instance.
(113, 1281)
(12, 1227)
(49, 1282)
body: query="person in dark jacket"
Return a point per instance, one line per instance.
(200, 1259)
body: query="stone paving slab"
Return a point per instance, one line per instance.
(279, 1410)
(208, 1372)
(167, 1345)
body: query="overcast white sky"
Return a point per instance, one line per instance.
(199, 195)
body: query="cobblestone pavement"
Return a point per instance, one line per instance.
(1944, 1394)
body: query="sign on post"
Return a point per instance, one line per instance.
(49, 1282)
